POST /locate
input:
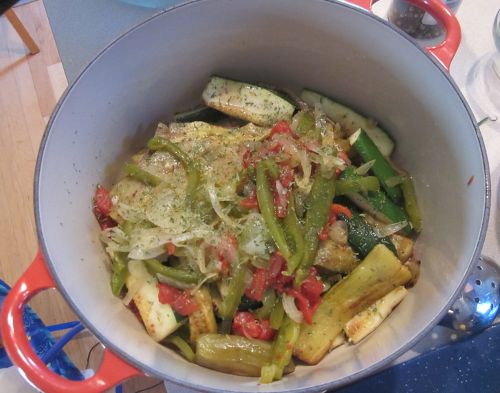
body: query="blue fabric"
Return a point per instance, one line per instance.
(471, 365)
(42, 341)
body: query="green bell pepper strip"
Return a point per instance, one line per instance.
(362, 237)
(305, 123)
(320, 199)
(295, 232)
(184, 276)
(411, 205)
(368, 151)
(192, 172)
(182, 346)
(235, 291)
(140, 174)
(277, 314)
(266, 205)
(376, 203)
(120, 272)
(362, 184)
(282, 351)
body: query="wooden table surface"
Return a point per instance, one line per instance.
(29, 88)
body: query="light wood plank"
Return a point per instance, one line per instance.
(29, 88)
(21, 30)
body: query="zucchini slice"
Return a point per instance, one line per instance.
(202, 321)
(368, 320)
(245, 101)
(377, 275)
(350, 120)
(159, 319)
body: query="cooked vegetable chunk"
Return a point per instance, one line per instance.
(368, 320)
(378, 274)
(245, 101)
(233, 354)
(350, 120)
(202, 321)
(159, 319)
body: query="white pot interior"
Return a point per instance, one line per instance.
(162, 66)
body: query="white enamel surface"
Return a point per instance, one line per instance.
(162, 67)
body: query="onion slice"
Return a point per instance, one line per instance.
(291, 309)
(389, 229)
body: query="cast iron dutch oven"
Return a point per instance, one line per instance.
(161, 66)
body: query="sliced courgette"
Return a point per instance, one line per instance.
(378, 274)
(202, 321)
(368, 320)
(159, 319)
(245, 101)
(350, 120)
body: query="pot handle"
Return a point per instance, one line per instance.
(35, 279)
(446, 50)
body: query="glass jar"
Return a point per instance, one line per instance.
(415, 21)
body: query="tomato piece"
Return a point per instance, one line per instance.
(303, 305)
(106, 222)
(323, 235)
(170, 248)
(241, 319)
(336, 209)
(185, 303)
(258, 285)
(181, 301)
(250, 202)
(247, 325)
(167, 293)
(343, 156)
(227, 252)
(286, 175)
(102, 201)
(312, 287)
(283, 282)
(281, 127)
(276, 265)
(247, 159)
(267, 332)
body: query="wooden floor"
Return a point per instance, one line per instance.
(29, 88)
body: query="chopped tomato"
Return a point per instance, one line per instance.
(286, 175)
(250, 202)
(167, 294)
(106, 222)
(227, 252)
(258, 285)
(323, 235)
(283, 282)
(302, 304)
(308, 297)
(170, 248)
(247, 325)
(247, 159)
(185, 304)
(312, 287)
(181, 301)
(102, 201)
(336, 209)
(102, 207)
(343, 156)
(277, 264)
(267, 332)
(282, 127)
